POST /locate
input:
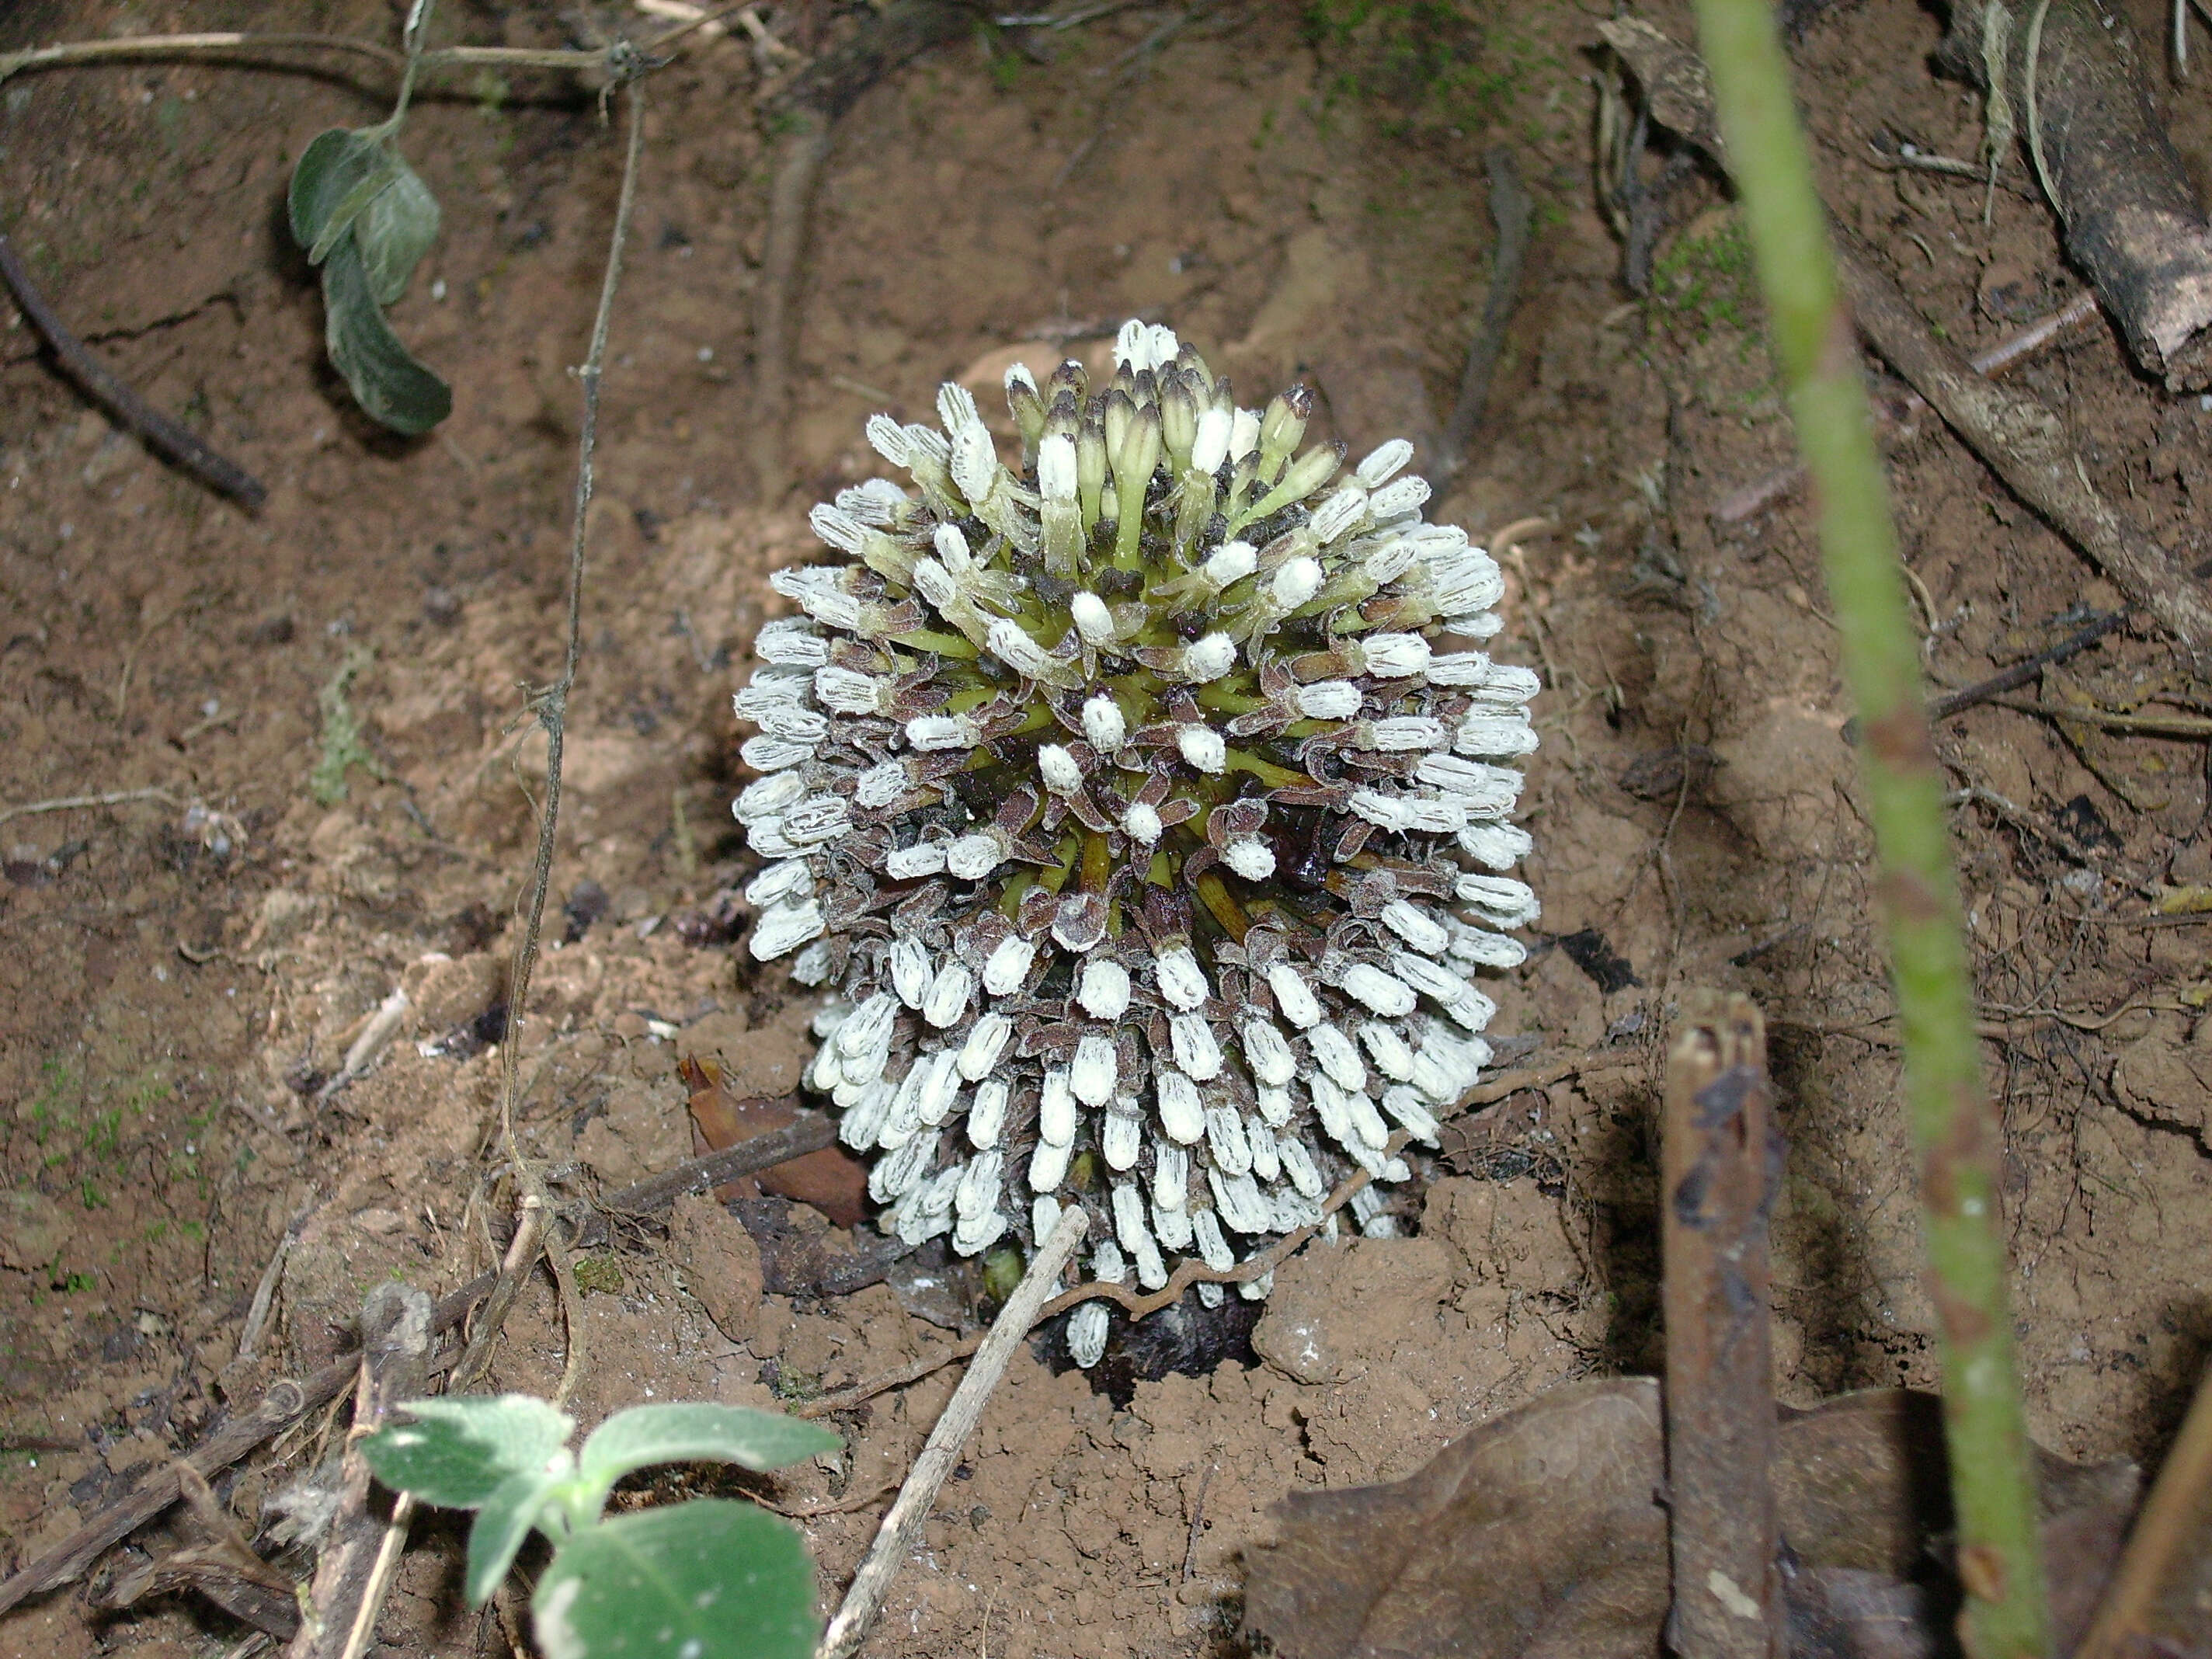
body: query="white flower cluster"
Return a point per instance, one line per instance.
(1148, 844)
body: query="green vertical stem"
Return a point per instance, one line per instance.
(1957, 1135)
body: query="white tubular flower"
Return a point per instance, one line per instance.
(784, 927)
(1059, 769)
(1201, 745)
(1243, 433)
(987, 1040)
(1008, 966)
(1180, 1115)
(1103, 724)
(1103, 990)
(1014, 647)
(1196, 1051)
(769, 797)
(1389, 997)
(948, 993)
(1119, 840)
(1411, 923)
(1395, 656)
(925, 858)
(1494, 735)
(1470, 582)
(1092, 1074)
(1249, 857)
(1295, 583)
(1383, 462)
(844, 692)
(792, 642)
(1182, 980)
(1211, 447)
(1397, 500)
(1122, 1137)
(791, 879)
(1328, 700)
(1209, 660)
(971, 857)
(1403, 731)
(1293, 995)
(1230, 563)
(1339, 513)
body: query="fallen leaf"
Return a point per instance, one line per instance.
(1541, 1533)
(830, 1180)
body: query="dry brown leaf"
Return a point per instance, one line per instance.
(831, 1180)
(1542, 1532)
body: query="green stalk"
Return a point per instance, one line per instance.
(1993, 1493)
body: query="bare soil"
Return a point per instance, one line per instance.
(1299, 190)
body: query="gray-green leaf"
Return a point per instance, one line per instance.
(709, 1579)
(645, 1435)
(501, 1525)
(459, 1452)
(395, 231)
(385, 378)
(338, 175)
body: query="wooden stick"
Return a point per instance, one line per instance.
(100, 383)
(2146, 1607)
(895, 1537)
(1716, 1179)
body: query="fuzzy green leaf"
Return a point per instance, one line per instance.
(337, 176)
(709, 1579)
(385, 378)
(395, 231)
(646, 1434)
(459, 1452)
(501, 1525)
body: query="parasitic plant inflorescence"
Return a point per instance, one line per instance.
(1147, 842)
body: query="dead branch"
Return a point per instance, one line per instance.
(2129, 213)
(395, 1322)
(100, 383)
(1720, 1161)
(2021, 440)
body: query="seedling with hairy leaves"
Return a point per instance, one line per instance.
(707, 1579)
(365, 220)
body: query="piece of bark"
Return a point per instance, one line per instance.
(395, 1323)
(1720, 1163)
(2130, 214)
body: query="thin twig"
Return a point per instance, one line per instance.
(609, 58)
(257, 1314)
(2021, 672)
(943, 1448)
(550, 706)
(2145, 726)
(288, 1402)
(100, 384)
(1756, 498)
(75, 803)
